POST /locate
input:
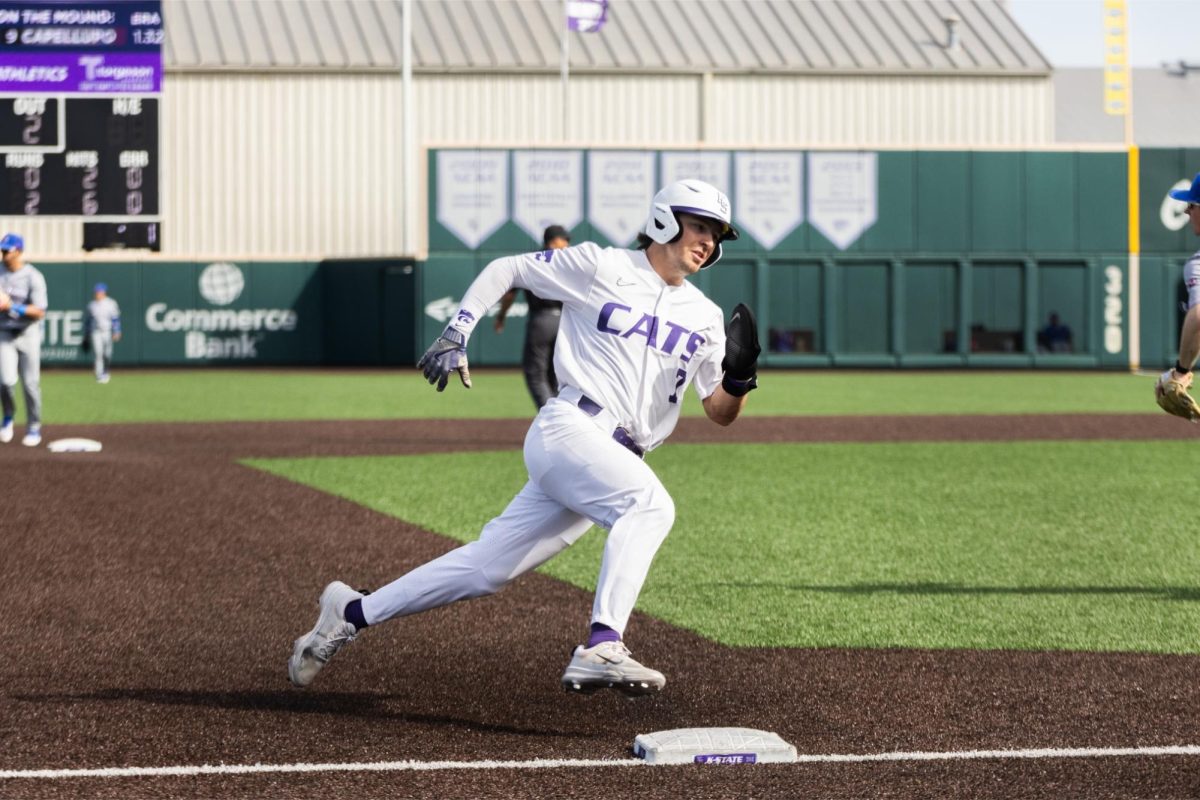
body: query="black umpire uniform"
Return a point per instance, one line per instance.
(541, 329)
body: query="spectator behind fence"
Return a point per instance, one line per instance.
(1055, 337)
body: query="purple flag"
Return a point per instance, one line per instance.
(586, 16)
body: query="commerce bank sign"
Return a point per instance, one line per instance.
(220, 333)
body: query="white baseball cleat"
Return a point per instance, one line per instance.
(609, 665)
(6, 431)
(33, 437)
(314, 649)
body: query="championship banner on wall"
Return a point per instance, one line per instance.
(472, 193)
(709, 167)
(547, 190)
(619, 183)
(768, 191)
(843, 195)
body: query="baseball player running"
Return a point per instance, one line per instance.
(1171, 390)
(541, 328)
(102, 327)
(22, 304)
(634, 335)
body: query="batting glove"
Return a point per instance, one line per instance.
(447, 354)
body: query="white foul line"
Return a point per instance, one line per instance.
(547, 763)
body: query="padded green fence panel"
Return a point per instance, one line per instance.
(895, 228)
(1102, 202)
(864, 312)
(729, 283)
(943, 202)
(1050, 196)
(930, 307)
(1164, 226)
(997, 196)
(794, 307)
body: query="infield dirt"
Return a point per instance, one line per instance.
(150, 594)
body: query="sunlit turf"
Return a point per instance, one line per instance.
(72, 396)
(1031, 545)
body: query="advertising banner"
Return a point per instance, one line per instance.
(81, 48)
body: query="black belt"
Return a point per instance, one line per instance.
(590, 407)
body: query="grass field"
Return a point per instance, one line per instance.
(228, 395)
(1024, 545)
(1032, 545)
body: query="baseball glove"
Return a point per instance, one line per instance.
(1171, 392)
(741, 352)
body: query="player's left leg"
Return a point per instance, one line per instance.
(29, 368)
(8, 384)
(532, 529)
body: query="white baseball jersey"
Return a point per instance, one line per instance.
(629, 341)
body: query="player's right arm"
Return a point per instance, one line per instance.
(565, 275)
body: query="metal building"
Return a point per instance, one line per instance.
(287, 130)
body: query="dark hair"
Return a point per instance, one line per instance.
(643, 241)
(555, 232)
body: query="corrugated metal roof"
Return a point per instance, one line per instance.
(642, 35)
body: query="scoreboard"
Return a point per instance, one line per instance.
(79, 90)
(79, 156)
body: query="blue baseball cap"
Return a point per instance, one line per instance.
(12, 241)
(100, 287)
(1191, 195)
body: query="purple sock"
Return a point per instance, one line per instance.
(354, 615)
(602, 633)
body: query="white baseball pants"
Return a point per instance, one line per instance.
(578, 475)
(21, 359)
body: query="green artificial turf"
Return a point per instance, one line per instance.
(1030, 545)
(226, 395)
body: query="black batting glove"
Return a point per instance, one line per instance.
(741, 352)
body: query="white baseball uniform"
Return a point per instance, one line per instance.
(628, 346)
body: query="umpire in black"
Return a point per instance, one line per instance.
(541, 328)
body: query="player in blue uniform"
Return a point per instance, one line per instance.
(102, 327)
(22, 306)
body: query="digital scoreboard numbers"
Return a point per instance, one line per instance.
(79, 86)
(107, 165)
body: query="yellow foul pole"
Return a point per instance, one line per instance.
(1118, 100)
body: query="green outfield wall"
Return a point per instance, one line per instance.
(864, 258)
(239, 313)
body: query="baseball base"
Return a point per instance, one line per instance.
(74, 445)
(713, 746)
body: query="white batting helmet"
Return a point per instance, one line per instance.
(690, 197)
